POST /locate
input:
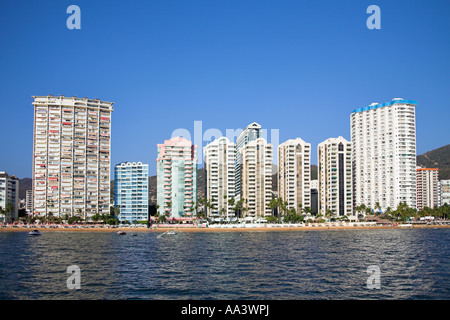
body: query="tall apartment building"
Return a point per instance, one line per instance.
(294, 173)
(384, 154)
(445, 192)
(220, 158)
(9, 194)
(250, 133)
(256, 158)
(131, 191)
(29, 201)
(427, 188)
(335, 177)
(71, 156)
(176, 165)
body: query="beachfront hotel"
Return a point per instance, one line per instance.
(71, 156)
(250, 133)
(9, 194)
(256, 167)
(176, 166)
(294, 173)
(131, 191)
(427, 188)
(444, 192)
(384, 154)
(335, 177)
(220, 158)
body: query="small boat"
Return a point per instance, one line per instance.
(167, 233)
(121, 233)
(35, 232)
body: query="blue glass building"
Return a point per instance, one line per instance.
(131, 191)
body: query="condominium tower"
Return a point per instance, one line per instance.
(256, 158)
(131, 191)
(176, 166)
(427, 188)
(71, 156)
(250, 133)
(384, 154)
(294, 173)
(9, 195)
(445, 192)
(335, 177)
(220, 158)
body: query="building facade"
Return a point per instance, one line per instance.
(335, 177)
(445, 192)
(294, 173)
(220, 158)
(427, 188)
(176, 165)
(256, 158)
(71, 156)
(131, 191)
(250, 133)
(29, 201)
(384, 154)
(9, 194)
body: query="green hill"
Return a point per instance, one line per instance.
(437, 158)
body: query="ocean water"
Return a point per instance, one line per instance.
(326, 264)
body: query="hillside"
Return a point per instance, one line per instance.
(437, 158)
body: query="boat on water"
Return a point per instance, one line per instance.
(35, 232)
(170, 232)
(121, 233)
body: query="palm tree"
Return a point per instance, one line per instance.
(10, 210)
(2, 213)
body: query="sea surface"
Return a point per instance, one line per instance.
(325, 264)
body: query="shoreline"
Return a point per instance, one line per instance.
(209, 229)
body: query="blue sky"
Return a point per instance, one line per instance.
(298, 66)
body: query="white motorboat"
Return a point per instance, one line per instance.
(35, 232)
(121, 233)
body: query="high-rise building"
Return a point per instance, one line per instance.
(71, 156)
(314, 196)
(427, 188)
(445, 192)
(384, 154)
(335, 177)
(250, 133)
(256, 158)
(9, 194)
(220, 158)
(294, 173)
(131, 191)
(29, 201)
(176, 165)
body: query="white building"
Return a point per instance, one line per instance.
(427, 188)
(29, 201)
(71, 156)
(9, 194)
(256, 158)
(445, 192)
(384, 154)
(220, 158)
(250, 133)
(335, 177)
(176, 166)
(294, 173)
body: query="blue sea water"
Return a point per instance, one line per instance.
(325, 264)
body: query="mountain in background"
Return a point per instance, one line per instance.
(437, 158)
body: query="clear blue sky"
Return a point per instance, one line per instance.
(298, 66)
